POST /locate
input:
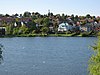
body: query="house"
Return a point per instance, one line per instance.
(62, 27)
(83, 28)
(51, 27)
(7, 20)
(90, 27)
(96, 27)
(0, 22)
(65, 27)
(22, 21)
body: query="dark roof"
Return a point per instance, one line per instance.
(8, 19)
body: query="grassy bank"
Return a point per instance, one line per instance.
(54, 35)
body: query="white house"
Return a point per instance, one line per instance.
(64, 27)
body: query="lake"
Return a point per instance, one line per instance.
(46, 55)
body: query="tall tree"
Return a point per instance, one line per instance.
(27, 14)
(7, 15)
(63, 17)
(76, 18)
(72, 17)
(16, 15)
(88, 16)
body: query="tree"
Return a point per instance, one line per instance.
(76, 18)
(21, 15)
(44, 30)
(50, 14)
(16, 15)
(39, 21)
(88, 16)
(94, 64)
(9, 29)
(46, 21)
(15, 31)
(27, 14)
(23, 30)
(72, 17)
(7, 15)
(31, 25)
(37, 15)
(1, 15)
(63, 17)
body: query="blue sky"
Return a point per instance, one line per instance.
(77, 7)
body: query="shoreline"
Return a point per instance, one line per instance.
(49, 35)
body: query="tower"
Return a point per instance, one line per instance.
(48, 12)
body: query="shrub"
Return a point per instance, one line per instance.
(85, 34)
(94, 63)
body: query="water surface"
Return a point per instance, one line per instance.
(46, 55)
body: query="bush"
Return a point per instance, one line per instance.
(31, 35)
(85, 34)
(44, 30)
(98, 34)
(94, 63)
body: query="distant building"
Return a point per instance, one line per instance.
(62, 27)
(65, 27)
(83, 28)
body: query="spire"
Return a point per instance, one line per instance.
(49, 11)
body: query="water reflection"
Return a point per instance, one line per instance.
(1, 58)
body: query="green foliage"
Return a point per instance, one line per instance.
(15, 31)
(98, 33)
(94, 63)
(46, 21)
(33, 32)
(88, 16)
(31, 26)
(44, 30)
(39, 21)
(27, 14)
(85, 34)
(9, 30)
(23, 30)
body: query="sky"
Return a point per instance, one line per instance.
(76, 7)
